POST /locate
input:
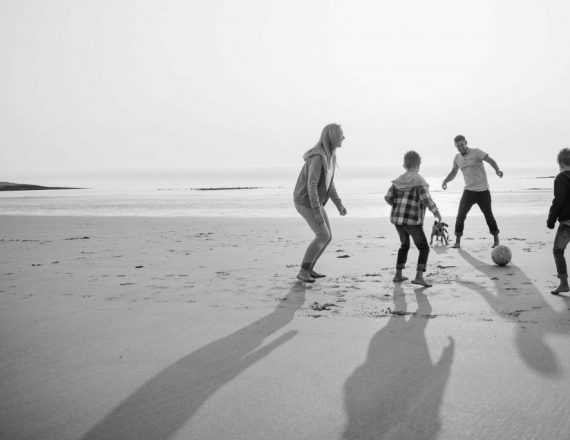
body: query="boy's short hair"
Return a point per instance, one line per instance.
(564, 157)
(412, 159)
(458, 138)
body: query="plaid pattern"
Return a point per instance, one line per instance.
(409, 206)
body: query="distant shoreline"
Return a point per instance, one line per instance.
(215, 188)
(7, 186)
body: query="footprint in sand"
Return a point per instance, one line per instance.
(400, 313)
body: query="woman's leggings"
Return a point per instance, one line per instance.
(322, 238)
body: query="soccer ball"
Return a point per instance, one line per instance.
(501, 255)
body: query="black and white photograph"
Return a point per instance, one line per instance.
(284, 220)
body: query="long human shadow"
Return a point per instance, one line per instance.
(507, 303)
(397, 392)
(162, 405)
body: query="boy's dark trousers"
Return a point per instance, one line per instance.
(468, 199)
(560, 242)
(420, 240)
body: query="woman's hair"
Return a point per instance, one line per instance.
(331, 136)
(412, 159)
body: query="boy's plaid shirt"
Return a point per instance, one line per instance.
(409, 206)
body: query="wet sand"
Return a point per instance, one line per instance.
(177, 328)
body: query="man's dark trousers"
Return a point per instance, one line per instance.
(470, 198)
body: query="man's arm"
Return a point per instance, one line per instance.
(560, 194)
(450, 176)
(492, 162)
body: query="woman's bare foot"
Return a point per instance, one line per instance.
(398, 279)
(456, 245)
(421, 281)
(316, 274)
(563, 287)
(305, 276)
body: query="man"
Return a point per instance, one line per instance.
(470, 162)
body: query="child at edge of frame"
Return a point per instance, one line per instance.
(560, 210)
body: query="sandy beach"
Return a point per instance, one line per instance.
(195, 328)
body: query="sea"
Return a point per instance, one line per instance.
(253, 193)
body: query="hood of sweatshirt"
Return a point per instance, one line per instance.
(319, 150)
(316, 150)
(408, 180)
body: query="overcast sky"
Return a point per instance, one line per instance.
(174, 84)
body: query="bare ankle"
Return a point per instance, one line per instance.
(562, 286)
(421, 281)
(398, 276)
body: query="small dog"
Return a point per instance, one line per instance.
(439, 232)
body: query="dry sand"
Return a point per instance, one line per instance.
(193, 328)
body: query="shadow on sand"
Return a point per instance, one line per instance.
(439, 249)
(397, 392)
(509, 304)
(160, 407)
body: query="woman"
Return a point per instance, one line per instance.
(314, 188)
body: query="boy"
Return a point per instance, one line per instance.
(409, 196)
(560, 210)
